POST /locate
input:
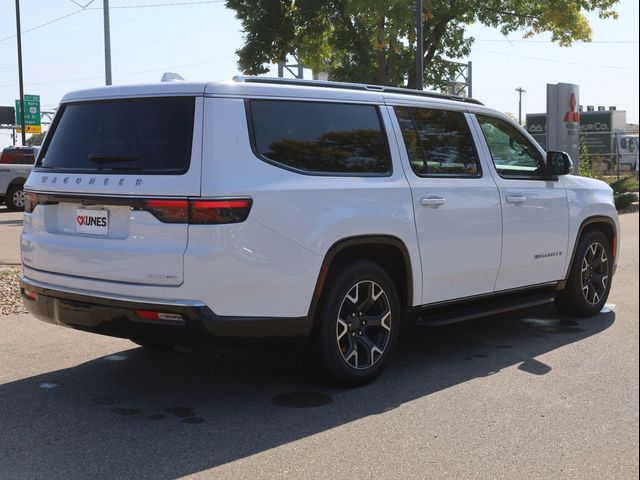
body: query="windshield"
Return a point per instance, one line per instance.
(149, 135)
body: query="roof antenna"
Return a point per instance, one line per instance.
(171, 77)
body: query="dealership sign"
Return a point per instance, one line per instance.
(563, 119)
(596, 130)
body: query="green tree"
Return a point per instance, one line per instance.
(35, 139)
(374, 41)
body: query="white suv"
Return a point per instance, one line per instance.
(176, 212)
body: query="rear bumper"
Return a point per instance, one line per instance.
(116, 317)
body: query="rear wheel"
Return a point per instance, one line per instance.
(358, 323)
(589, 280)
(15, 198)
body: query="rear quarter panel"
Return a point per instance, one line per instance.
(307, 213)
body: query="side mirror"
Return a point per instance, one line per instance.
(559, 163)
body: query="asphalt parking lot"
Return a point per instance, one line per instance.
(525, 395)
(10, 228)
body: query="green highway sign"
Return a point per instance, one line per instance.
(32, 109)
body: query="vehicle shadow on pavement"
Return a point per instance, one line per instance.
(140, 414)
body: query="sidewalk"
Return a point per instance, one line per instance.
(10, 228)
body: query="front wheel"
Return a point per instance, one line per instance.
(358, 323)
(589, 280)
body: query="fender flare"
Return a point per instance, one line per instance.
(583, 226)
(361, 240)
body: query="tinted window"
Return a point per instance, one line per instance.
(438, 142)
(24, 156)
(143, 135)
(320, 137)
(512, 153)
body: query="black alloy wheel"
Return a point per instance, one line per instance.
(589, 281)
(357, 324)
(363, 325)
(594, 273)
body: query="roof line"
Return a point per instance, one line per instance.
(352, 86)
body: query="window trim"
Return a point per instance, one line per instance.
(480, 173)
(254, 148)
(495, 167)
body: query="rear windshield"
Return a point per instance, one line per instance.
(150, 135)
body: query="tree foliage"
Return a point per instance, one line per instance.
(374, 41)
(35, 140)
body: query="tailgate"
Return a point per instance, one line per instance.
(106, 199)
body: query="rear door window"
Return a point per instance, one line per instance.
(438, 142)
(320, 138)
(149, 135)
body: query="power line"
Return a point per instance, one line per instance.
(125, 47)
(45, 24)
(126, 74)
(92, 29)
(86, 8)
(613, 42)
(151, 5)
(552, 60)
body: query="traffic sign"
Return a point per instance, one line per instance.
(32, 109)
(30, 129)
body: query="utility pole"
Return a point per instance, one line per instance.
(107, 44)
(20, 80)
(520, 91)
(419, 47)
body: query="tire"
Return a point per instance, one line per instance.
(15, 198)
(589, 282)
(357, 324)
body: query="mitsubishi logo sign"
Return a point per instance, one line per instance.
(563, 119)
(572, 116)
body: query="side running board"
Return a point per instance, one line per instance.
(444, 314)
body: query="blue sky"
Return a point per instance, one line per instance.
(199, 42)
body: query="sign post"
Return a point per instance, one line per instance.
(32, 114)
(563, 120)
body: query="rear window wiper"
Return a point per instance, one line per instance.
(120, 169)
(103, 158)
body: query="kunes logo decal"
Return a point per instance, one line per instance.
(91, 221)
(572, 116)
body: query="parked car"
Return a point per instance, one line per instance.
(628, 151)
(15, 165)
(180, 212)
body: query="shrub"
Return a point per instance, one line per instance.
(624, 200)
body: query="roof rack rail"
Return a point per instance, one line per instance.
(353, 86)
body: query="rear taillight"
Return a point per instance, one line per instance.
(199, 212)
(30, 201)
(168, 211)
(208, 212)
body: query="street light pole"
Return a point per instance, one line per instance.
(419, 47)
(20, 80)
(520, 91)
(107, 44)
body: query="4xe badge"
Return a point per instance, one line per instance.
(92, 222)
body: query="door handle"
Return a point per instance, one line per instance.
(516, 198)
(428, 201)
